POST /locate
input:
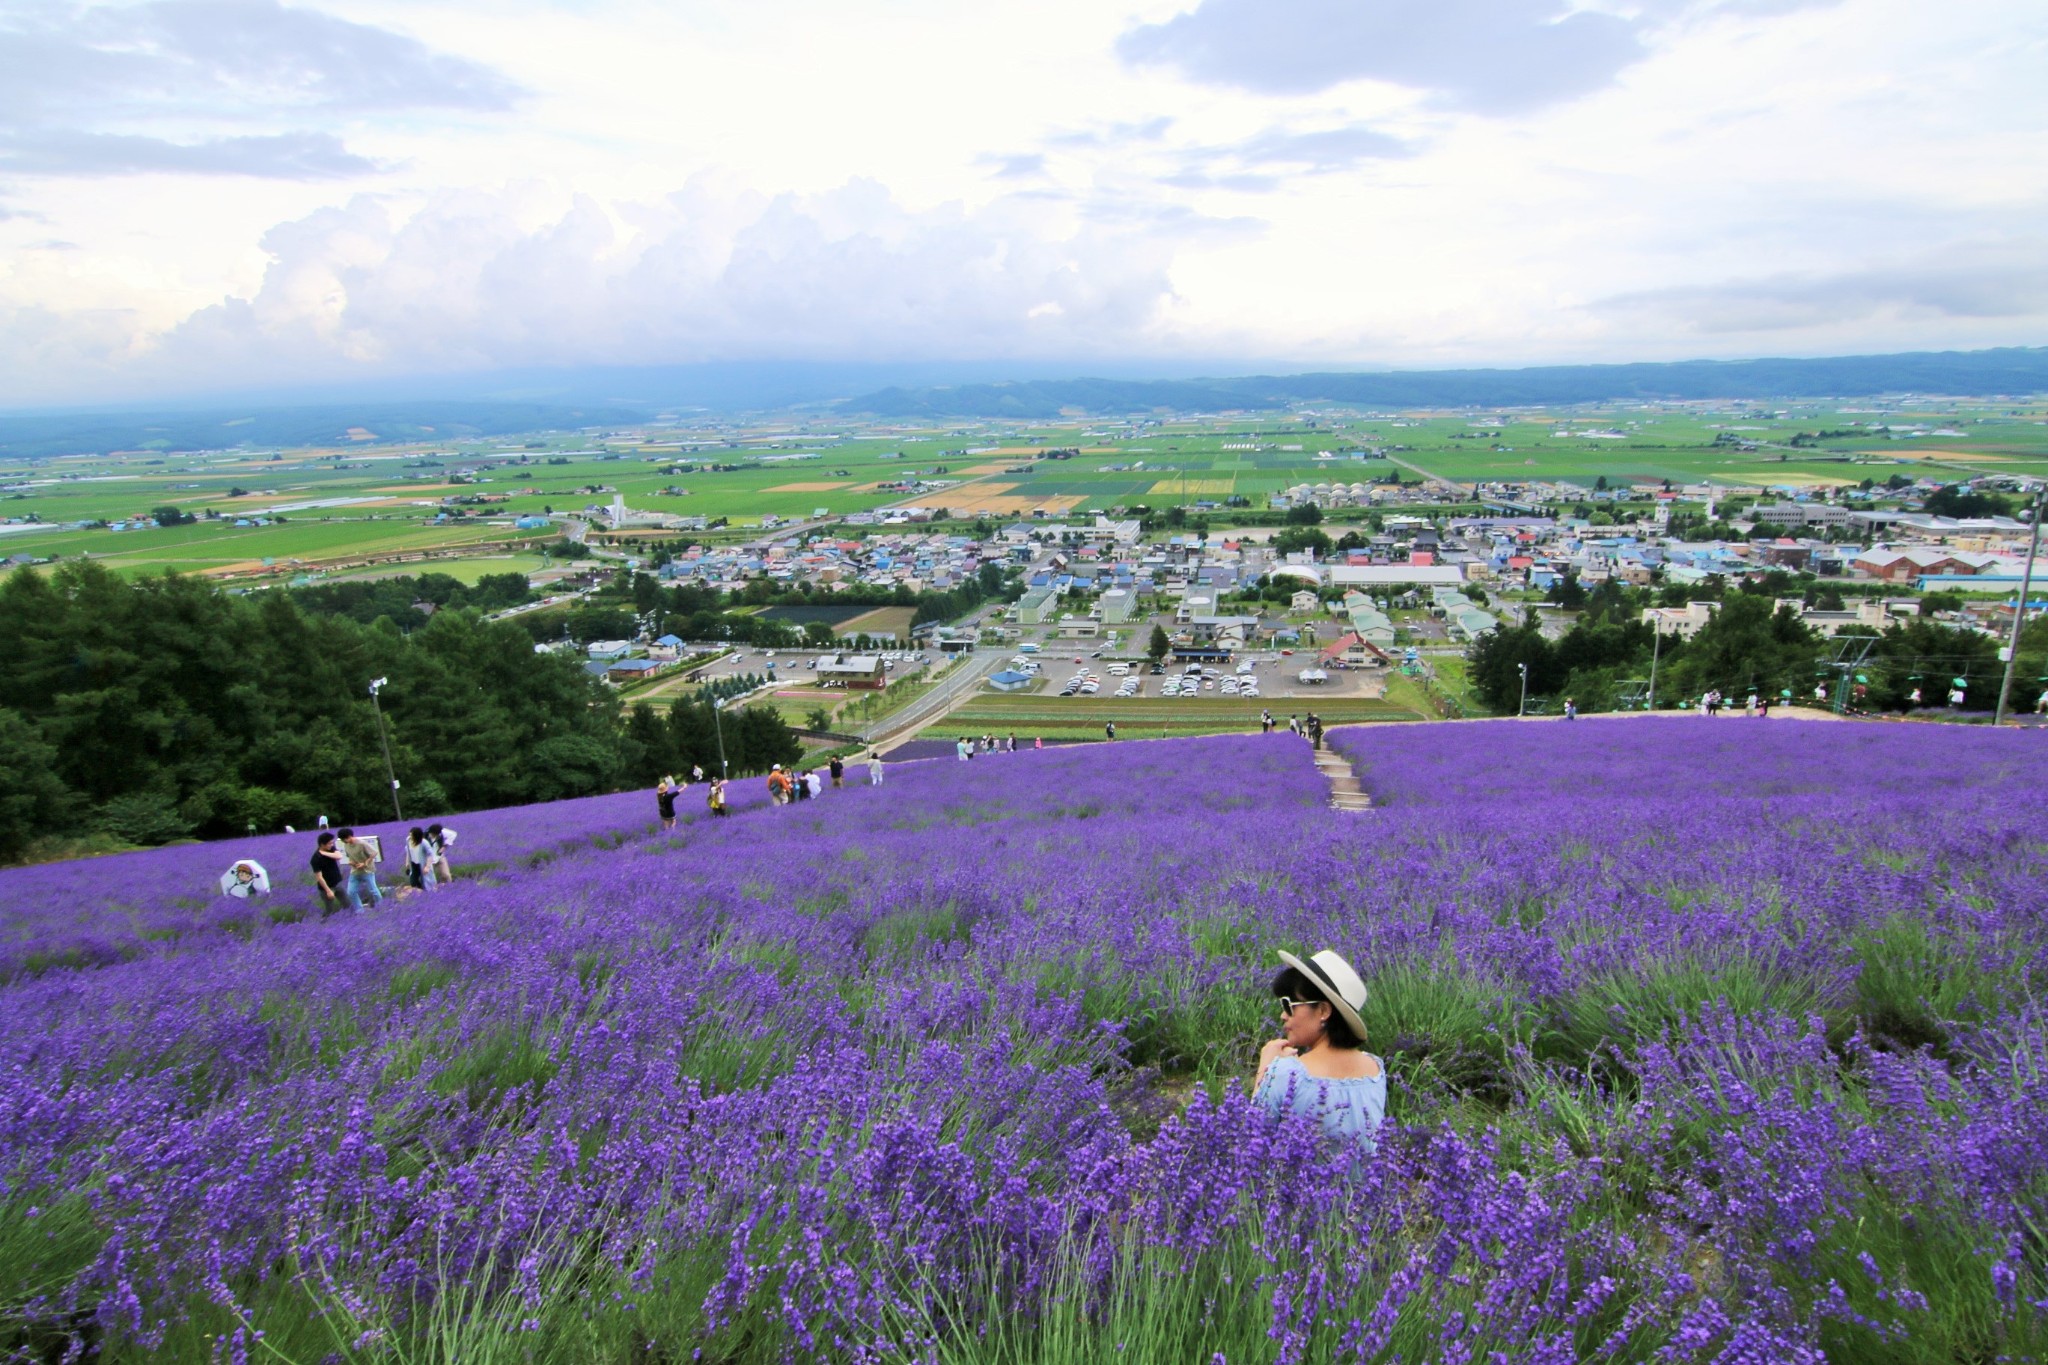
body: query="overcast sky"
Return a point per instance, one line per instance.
(201, 195)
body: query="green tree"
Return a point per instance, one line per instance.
(1159, 645)
(33, 800)
(1567, 592)
(1304, 514)
(1960, 500)
(1302, 538)
(1496, 658)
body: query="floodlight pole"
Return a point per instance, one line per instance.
(1522, 707)
(2019, 609)
(384, 742)
(718, 728)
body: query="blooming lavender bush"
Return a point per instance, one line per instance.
(1710, 1041)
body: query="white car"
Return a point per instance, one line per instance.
(1089, 689)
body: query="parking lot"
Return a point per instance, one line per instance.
(1260, 675)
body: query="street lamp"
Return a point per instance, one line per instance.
(1522, 707)
(2019, 609)
(376, 685)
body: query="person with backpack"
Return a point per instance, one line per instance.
(778, 786)
(1109, 729)
(362, 856)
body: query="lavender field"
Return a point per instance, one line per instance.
(1709, 1041)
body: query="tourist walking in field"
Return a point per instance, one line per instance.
(814, 785)
(1013, 740)
(330, 873)
(1571, 709)
(1109, 730)
(1266, 722)
(696, 772)
(1315, 729)
(1318, 1067)
(960, 749)
(778, 785)
(838, 771)
(1293, 725)
(874, 768)
(716, 798)
(665, 801)
(440, 838)
(363, 857)
(1038, 742)
(420, 871)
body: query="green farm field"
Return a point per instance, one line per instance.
(378, 500)
(213, 546)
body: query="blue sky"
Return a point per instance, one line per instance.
(198, 195)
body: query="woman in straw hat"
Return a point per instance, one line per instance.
(1319, 1067)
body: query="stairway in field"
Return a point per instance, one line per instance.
(1346, 791)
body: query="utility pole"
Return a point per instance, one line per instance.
(2019, 609)
(384, 742)
(1656, 647)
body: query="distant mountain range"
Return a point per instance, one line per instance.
(508, 403)
(2011, 370)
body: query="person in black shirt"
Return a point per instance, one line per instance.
(329, 875)
(665, 802)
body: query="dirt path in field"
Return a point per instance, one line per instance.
(1346, 791)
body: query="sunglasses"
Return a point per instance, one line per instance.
(1288, 1007)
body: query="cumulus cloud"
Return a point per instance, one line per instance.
(1977, 280)
(470, 282)
(1482, 56)
(117, 89)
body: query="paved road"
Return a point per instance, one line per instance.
(964, 682)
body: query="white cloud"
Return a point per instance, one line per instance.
(475, 281)
(337, 195)
(90, 90)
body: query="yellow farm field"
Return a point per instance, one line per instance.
(1169, 487)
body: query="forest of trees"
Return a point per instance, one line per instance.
(163, 708)
(1750, 643)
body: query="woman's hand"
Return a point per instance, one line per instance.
(1274, 1049)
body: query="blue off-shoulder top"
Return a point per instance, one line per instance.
(1351, 1109)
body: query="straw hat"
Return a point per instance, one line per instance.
(1333, 978)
